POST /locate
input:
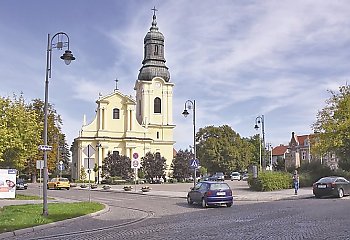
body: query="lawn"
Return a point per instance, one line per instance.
(23, 216)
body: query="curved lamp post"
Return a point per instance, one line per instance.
(192, 105)
(259, 120)
(62, 42)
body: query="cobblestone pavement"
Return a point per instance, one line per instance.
(141, 216)
(172, 218)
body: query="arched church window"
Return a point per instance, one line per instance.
(140, 107)
(156, 50)
(157, 105)
(116, 113)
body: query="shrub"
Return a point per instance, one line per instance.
(270, 181)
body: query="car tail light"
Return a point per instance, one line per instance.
(333, 185)
(209, 193)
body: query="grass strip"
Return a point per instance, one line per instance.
(29, 215)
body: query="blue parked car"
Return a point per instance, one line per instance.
(210, 193)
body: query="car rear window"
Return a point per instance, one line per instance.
(64, 180)
(219, 186)
(326, 180)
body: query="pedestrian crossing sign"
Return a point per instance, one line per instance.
(194, 163)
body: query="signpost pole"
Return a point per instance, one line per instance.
(88, 150)
(135, 171)
(40, 181)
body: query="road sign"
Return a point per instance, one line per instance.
(194, 163)
(39, 164)
(45, 148)
(89, 151)
(135, 163)
(89, 163)
(135, 155)
(61, 167)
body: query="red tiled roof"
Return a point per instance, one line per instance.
(279, 150)
(301, 139)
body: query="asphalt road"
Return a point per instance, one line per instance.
(133, 216)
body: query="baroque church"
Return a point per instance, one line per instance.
(131, 126)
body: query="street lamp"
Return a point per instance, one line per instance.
(98, 146)
(67, 57)
(270, 148)
(259, 120)
(192, 105)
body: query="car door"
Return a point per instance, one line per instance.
(346, 186)
(195, 193)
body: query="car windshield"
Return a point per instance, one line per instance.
(219, 186)
(63, 179)
(326, 180)
(219, 174)
(235, 174)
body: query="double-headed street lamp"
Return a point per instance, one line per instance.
(259, 120)
(192, 105)
(62, 42)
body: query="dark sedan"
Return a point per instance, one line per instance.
(210, 193)
(331, 186)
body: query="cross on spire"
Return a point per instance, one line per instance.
(154, 10)
(116, 84)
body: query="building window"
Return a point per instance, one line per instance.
(156, 50)
(157, 105)
(116, 113)
(157, 135)
(140, 107)
(303, 155)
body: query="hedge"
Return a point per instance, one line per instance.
(270, 181)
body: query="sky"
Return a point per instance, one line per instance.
(237, 59)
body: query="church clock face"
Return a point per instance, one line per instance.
(158, 85)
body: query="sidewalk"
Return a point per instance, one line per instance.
(241, 191)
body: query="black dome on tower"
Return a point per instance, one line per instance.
(154, 61)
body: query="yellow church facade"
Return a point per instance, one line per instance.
(131, 126)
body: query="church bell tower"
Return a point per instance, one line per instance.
(153, 87)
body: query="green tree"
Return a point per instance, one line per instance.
(82, 174)
(279, 165)
(19, 133)
(115, 165)
(153, 165)
(181, 165)
(333, 127)
(221, 149)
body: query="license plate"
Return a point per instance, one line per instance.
(321, 186)
(220, 193)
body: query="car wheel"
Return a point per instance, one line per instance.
(317, 196)
(67, 188)
(189, 200)
(204, 203)
(340, 193)
(229, 204)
